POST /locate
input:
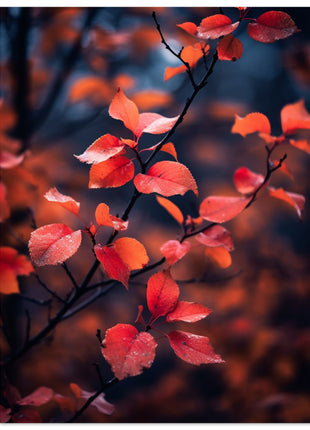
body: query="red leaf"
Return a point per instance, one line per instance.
(221, 209)
(294, 117)
(303, 145)
(39, 397)
(12, 265)
(92, 89)
(189, 27)
(8, 160)
(114, 172)
(102, 405)
(125, 110)
(166, 178)
(251, 123)
(162, 294)
(229, 48)
(5, 414)
(272, 26)
(127, 351)
(112, 263)
(216, 236)
(188, 312)
(293, 199)
(216, 26)
(53, 244)
(246, 181)
(168, 148)
(154, 123)
(171, 208)
(140, 319)
(219, 255)
(26, 416)
(151, 99)
(53, 195)
(193, 348)
(65, 403)
(103, 217)
(174, 251)
(102, 149)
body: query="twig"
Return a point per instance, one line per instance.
(68, 272)
(28, 326)
(48, 289)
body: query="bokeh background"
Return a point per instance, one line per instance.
(59, 70)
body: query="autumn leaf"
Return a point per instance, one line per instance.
(189, 27)
(246, 181)
(166, 178)
(221, 209)
(102, 149)
(127, 351)
(188, 312)
(272, 26)
(5, 414)
(124, 109)
(39, 397)
(169, 148)
(293, 199)
(67, 202)
(294, 117)
(103, 217)
(132, 252)
(193, 348)
(151, 99)
(174, 251)
(229, 48)
(12, 265)
(162, 294)
(53, 244)
(114, 172)
(112, 263)
(219, 256)
(171, 208)
(251, 123)
(191, 55)
(27, 416)
(4, 205)
(216, 26)
(102, 405)
(9, 160)
(216, 236)
(154, 123)
(91, 89)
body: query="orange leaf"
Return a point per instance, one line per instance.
(114, 172)
(11, 265)
(53, 195)
(188, 312)
(171, 208)
(112, 263)
(170, 72)
(229, 48)
(193, 348)
(219, 255)
(272, 26)
(125, 110)
(216, 26)
(127, 351)
(294, 117)
(132, 252)
(53, 244)
(189, 27)
(293, 199)
(4, 206)
(251, 123)
(246, 181)
(303, 145)
(166, 178)
(191, 55)
(102, 149)
(216, 236)
(162, 294)
(90, 88)
(174, 251)
(103, 217)
(154, 123)
(221, 209)
(150, 99)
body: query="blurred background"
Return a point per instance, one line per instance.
(59, 70)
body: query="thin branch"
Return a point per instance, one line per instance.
(28, 326)
(68, 272)
(48, 289)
